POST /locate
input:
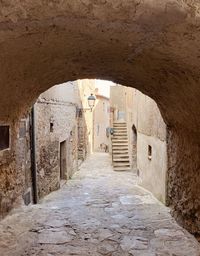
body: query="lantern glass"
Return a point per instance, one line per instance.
(91, 101)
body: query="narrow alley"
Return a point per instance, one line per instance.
(98, 212)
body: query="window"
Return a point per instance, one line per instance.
(149, 152)
(103, 106)
(51, 126)
(98, 128)
(4, 137)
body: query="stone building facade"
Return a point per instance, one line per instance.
(15, 163)
(56, 139)
(64, 133)
(63, 129)
(146, 135)
(101, 123)
(84, 88)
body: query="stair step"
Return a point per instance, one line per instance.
(117, 154)
(121, 156)
(120, 144)
(119, 124)
(120, 131)
(119, 128)
(118, 149)
(122, 148)
(120, 152)
(121, 164)
(120, 134)
(121, 160)
(121, 169)
(119, 140)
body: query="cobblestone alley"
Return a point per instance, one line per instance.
(98, 212)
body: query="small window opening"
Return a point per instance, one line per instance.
(149, 152)
(51, 126)
(4, 137)
(98, 128)
(103, 106)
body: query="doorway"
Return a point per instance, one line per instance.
(134, 148)
(63, 160)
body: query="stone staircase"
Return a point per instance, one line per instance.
(120, 149)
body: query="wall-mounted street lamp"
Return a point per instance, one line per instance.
(91, 101)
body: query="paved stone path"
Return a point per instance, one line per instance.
(98, 212)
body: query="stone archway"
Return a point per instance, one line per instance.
(150, 45)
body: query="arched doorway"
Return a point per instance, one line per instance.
(134, 148)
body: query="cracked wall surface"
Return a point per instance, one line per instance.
(151, 45)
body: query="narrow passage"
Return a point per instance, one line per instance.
(98, 212)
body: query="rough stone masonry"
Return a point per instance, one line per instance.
(151, 45)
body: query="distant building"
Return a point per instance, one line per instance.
(146, 136)
(63, 133)
(101, 123)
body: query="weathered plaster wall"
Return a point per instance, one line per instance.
(101, 122)
(86, 125)
(152, 172)
(118, 102)
(151, 131)
(142, 112)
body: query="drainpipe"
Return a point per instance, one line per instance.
(33, 156)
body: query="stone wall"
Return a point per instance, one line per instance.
(15, 172)
(58, 119)
(82, 138)
(184, 172)
(85, 88)
(55, 123)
